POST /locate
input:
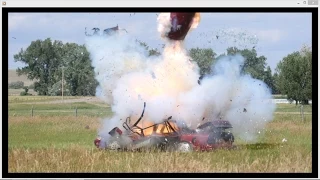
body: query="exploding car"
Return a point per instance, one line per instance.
(181, 23)
(169, 135)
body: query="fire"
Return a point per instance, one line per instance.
(152, 128)
(196, 21)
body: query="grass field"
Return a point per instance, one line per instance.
(13, 77)
(55, 140)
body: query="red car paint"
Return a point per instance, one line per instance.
(97, 142)
(181, 23)
(199, 142)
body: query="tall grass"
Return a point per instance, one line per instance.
(65, 144)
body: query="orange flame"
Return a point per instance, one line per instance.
(196, 21)
(160, 129)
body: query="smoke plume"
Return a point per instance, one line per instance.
(169, 85)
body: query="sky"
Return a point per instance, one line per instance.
(274, 35)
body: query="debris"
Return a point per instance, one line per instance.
(284, 140)
(153, 75)
(244, 110)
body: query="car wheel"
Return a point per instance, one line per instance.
(184, 147)
(114, 145)
(228, 137)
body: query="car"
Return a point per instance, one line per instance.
(158, 135)
(208, 136)
(168, 135)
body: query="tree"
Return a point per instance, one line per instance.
(42, 62)
(275, 78)
(151, 52)
(294, 76)
(268, 79)
(253, 64)
(204, 58)
(45, 61)
(78, 72)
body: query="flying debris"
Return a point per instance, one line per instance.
(181, 24)
(217, 36)
(96, 31)
(108, 31)
(14, 38)
(113, 30)
(244, 110)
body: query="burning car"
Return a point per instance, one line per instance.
(168, 135)
(208, 136)
(161, 135)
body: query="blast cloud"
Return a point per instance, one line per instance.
(169, 85)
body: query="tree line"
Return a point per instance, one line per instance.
(47, 61)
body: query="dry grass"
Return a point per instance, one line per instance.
(63, 144)
(78, 159)
(13, 77)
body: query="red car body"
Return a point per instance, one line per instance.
(210, 135)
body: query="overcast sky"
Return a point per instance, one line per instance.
(274, 35)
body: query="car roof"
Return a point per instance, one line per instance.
(217, 123)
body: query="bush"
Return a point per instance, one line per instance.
(55, 90)
(16, 85)
(24, 93)
(31, 86)
(26, 89)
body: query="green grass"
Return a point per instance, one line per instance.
(31, 99)
(279, 96)
(293, 108)
(64, 145)
(39, 132)
(59, 109)
(54, 140)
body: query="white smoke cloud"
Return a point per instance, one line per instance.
(169, 86)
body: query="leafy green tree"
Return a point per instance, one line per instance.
(253, 64)
(295, 75)
(204, 58)
(269, 80)
(46, 61)
(56, 90)
(151, 52)
(275, 79)
(154, 52)
(42, 61)
(78, 72)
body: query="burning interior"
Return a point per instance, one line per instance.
(168, 135)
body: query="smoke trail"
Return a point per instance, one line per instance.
(169, 86)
